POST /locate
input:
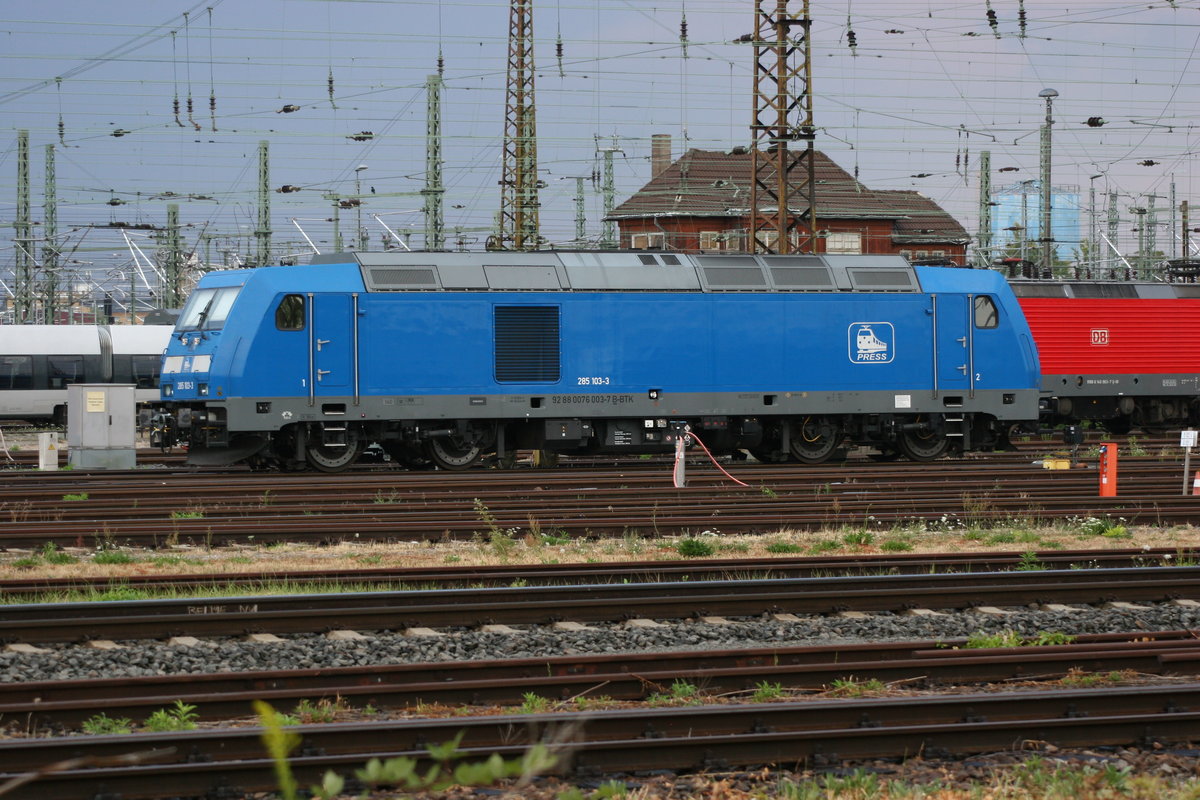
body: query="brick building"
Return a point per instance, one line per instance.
(700, 203)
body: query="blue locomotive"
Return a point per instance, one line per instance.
(443, 358)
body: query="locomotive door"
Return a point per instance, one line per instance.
(331, 345)
(953, 342)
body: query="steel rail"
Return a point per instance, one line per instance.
(696, 737)
(154, 510)
(618, 677)
(140, 619)
(617, 572)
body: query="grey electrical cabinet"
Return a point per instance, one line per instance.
(101, 426)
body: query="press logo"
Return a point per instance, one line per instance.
(1100, 337)
(872, 342)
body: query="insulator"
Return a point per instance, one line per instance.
(1094, 122)
(61, 130)
(1148, 163)
(288, 109)
(558, 48)
(441, 62)
(683, 29)
(851, 39)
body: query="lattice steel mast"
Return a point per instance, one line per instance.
(23, 227)
(983, 251)
(50, 241)
(519, 179)
(783, 185)
(262, 233)
(172, 295)
(434, 191)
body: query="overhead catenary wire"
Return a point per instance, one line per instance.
(618, 79)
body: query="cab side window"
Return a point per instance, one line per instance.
(986, 314)
(289, 316)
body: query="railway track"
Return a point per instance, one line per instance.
(232, 761)
(616, 572)
(164, 507)
(617, 677)
(458, 608)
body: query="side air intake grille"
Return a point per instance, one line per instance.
(893, 280)
(1103, 290)
(807, 277)
(392, 278)
(734, 276)
(527, 344)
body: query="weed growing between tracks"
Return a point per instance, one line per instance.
(496, 545)
(403, 772)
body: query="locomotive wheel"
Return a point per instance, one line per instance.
(457, 452)
(334, 459)
(815, 440)
(920, 446)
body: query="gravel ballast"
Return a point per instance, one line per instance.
(306, 651)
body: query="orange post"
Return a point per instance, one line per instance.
(1108, 469)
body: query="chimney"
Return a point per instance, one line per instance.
(660, 153)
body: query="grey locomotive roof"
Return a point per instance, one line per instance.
(628, 271)
(1101, 289)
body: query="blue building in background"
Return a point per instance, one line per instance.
(1018, 207)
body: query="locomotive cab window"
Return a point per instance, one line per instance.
(986, 314)
(289, 316)
(207, 309)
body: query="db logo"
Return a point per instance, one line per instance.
(1100, 336)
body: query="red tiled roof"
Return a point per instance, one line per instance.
(707, 183)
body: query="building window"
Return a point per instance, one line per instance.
(647, 241)
(844, 243)
(768, 239)
(710, 240)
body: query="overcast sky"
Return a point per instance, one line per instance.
(929, 86)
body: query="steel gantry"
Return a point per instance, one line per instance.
(782, 215)
(519, 178)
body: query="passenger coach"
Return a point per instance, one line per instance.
(38, 362)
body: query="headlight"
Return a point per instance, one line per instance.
(168, 390)
(202, 389)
